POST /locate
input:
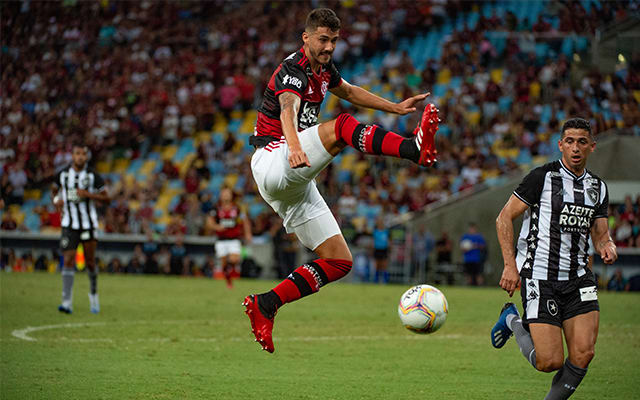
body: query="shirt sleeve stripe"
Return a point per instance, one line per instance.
(523, 200)
(288, 90)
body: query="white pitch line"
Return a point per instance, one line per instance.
(24, 333)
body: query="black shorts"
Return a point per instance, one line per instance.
(551, 302)
(71, 238)
(380, 254)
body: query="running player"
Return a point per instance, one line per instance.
(563, 204)
(230, 224)
(75, 191)
(292, 149)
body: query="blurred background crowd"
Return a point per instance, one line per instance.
(164, 94)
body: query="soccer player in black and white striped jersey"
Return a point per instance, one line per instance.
(75, 190)
(563, 204)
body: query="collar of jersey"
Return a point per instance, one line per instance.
(312, 71)
(584, 173)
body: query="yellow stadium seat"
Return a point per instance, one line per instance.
(230, 180)
(636, 95)
(129, 179)
(32, 194)
(473, 118)
(164, 219)
(103, 167)
(534, 89)
(432, 182)
(169, 151)
(537, 160)
(220, 124)
(444, 76)
(120, 165)
(497, 75)
(19, 217)
(236, 114)
(332, 103)
(147, 167)
(249, 121)
(184, 165)
(348, 162)
(361, 168)
(134, 205)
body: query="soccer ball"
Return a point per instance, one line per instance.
(423, 309)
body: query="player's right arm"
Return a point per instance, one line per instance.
(504, 228)
(56, 199)
(289, 106)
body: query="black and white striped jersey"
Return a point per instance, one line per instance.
(554, 239)
(78, 213)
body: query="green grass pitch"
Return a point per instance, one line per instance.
(177, 338)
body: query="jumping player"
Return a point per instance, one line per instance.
(230, 224)
(75, 190)
(292, 149)
(564, 204)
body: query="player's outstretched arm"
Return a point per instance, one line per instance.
(504, 228)
(363, 98)
(602, 241)
(290, 104)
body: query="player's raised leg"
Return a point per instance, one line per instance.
(581, 333)
(92, 271)
(372, 139)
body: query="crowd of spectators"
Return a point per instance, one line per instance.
(128, 76)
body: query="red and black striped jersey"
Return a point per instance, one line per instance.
(295, 75)
(231, 219)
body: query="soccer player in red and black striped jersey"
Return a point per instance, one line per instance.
(292, 149)
(231, 224)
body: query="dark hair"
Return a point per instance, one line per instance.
(78, 143)
(322, 17)
(577, 123)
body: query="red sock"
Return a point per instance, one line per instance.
(372, 139)
(309, 278)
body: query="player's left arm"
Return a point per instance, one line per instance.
(363, 98)
(602, 241)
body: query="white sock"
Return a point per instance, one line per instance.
(510, 318)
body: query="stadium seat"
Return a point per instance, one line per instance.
(120, 165)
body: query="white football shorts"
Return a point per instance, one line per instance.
(226, 247)
(292, 193)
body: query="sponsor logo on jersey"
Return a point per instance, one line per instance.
(309, 115)
(292, 80)
(576, 219)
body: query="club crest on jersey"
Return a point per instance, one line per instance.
(85, 182)
(593, 195)
(325, 86)
(292, 80)
(552, 307)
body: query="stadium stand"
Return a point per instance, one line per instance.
(163, 93)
